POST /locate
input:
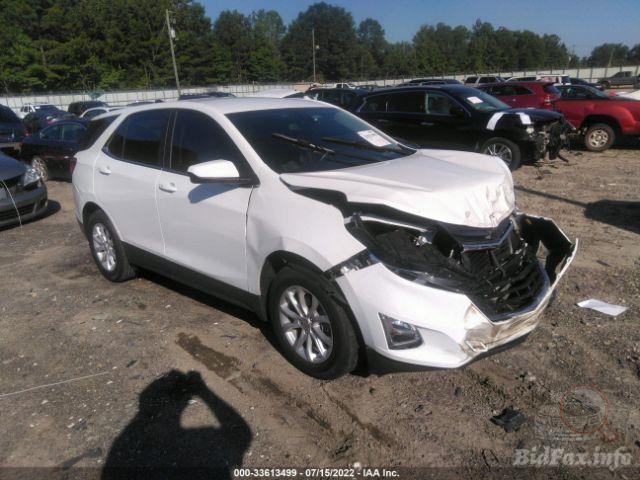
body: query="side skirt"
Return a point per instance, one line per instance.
(199, 281)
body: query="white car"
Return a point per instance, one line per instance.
(481, 79)
(347, 241)
(28, 108)
(94, 112)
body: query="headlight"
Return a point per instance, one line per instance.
(30, 177)
(530, 130)
(400, 334)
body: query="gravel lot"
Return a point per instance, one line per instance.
(95, 373)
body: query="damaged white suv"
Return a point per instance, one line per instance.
(351, 244)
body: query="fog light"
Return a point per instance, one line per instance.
(400, 334)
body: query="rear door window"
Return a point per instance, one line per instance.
(199, 138)
(406, 102)
(51, 133)
(141, 138)
(72, 132)
(375, 104)
(471, 80)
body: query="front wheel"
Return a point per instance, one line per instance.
(599, 137)
(505, 149)
(312, 328)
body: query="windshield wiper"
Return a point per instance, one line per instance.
(303, 143)
(367, 146)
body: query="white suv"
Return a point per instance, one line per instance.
(348, 242)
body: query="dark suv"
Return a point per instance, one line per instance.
(12, 131)
(463, 118)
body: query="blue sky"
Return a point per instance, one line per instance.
(583, 24)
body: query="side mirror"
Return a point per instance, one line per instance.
(217, 171)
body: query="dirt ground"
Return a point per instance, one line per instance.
(96, 373)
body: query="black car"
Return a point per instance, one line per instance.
(36, 121)
(78, 108)
(23, 195)
(50, 150)
(341, 97)
(12, 131)
(463, 118)
(431, 81)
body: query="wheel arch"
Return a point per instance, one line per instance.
(606, 119)
(88, 209)
(280, 259)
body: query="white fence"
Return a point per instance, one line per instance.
(62, 100)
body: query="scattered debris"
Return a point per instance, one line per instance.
(603, 307)
(511, 420)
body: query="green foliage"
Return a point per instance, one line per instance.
(89, 45)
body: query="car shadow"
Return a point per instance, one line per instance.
(154, 445)
(53, 207)
(618, 213)
(212, 301)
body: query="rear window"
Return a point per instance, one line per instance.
(471, 80)
(94, 130)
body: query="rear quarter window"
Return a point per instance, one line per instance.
(94, 130)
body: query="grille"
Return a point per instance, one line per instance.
(506, 278)
(11, 214)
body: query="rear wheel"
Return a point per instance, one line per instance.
(41, 167)
(505, 149)
(599, 137)
(312, 328)
(107, 249)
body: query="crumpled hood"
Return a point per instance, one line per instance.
(448, 186)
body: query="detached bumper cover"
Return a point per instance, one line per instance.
(455, 331)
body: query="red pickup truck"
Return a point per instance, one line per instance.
(601, 118)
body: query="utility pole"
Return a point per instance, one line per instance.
(313, 50)
(171, 32)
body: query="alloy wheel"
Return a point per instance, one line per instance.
(305, 324)
(500, 150)
(39, 166)
(103, 246)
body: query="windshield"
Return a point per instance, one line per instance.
(292, 140)
(483, 102)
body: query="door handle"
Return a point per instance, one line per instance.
(105, 170)
(382, 120)
(169, 188)
(426, 124)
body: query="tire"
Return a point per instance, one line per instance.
(105, 244)
(41, 167)
(331, 321)
(599, 137)
(511, 154)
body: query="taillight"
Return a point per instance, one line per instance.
(72, 164)
(548, 102)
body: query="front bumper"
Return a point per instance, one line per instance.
(454, 331)
(29, 205)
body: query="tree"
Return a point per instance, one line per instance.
(373, 47)
(334, 33)
(608, 54)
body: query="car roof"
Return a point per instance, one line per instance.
(225, 105)
(526, 83)
(448, 87)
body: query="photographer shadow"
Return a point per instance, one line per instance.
(155, 446)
